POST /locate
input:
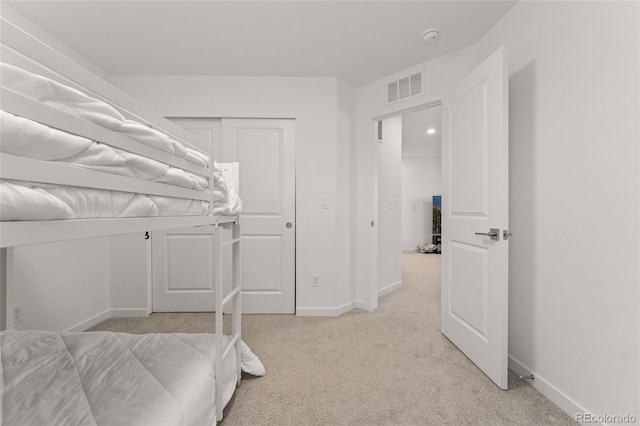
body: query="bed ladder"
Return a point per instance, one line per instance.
(223, 346)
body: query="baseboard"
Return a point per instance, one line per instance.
(552, 393)
(390, 289)
(409, 250)
(325, 312)
(361, 304)
(129, 313)
(84, 325)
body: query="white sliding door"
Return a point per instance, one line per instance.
(182, 259)
(265, 150)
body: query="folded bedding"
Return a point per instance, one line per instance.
(105, 378)
(80, 105)
(226, 200)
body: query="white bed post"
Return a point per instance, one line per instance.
(236, 312)
(4, 307)
(218, 285)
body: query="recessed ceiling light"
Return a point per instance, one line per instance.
(431, 131)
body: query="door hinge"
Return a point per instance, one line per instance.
(506, 234)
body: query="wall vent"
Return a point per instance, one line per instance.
(404, 88)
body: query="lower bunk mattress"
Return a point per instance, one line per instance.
(106, 378)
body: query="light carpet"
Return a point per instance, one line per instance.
(388, 367)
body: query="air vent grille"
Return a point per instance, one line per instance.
(405, 87)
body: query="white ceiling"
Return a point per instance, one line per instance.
(357, 41)
(415, 140)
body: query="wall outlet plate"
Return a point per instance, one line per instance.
(315, 280)
(17, 313)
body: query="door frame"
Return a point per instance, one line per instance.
(372, 303)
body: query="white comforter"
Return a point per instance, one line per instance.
(80, 105)
(40, 201)
(104, 378)
(26, 138)
(30, 201)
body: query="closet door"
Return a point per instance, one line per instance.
(265, 150)
(182, 258)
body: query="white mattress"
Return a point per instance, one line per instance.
(39, 201)
(26, 138)
(104, 378)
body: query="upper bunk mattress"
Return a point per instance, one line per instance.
(23, 137)
(78, 104)
(21, 200)
(105, 378)
(27, 138)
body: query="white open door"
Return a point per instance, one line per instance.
(475, 217)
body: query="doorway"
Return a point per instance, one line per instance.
(408, 169)
(475, 216)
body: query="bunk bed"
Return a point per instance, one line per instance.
(81, 159)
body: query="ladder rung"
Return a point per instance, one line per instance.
(232, 343)
(230, 242)
(230, 296)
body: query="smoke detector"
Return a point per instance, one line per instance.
(431, 35)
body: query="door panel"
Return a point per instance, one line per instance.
(265, 151)
(265, 252)
(469, 286)
(260, 151)
(182, 271)
(475, 199)
(469, 160)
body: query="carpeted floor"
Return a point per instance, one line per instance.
(388, 367)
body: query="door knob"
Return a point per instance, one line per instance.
(289, 225)
(494, 234)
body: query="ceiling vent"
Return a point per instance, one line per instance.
(404, 88)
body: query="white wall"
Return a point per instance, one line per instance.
(130, 275)
(60, 286)
(389, 205)
(323, 108)
(421, 180)
(575, 189)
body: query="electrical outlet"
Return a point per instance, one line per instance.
(315, 280)
(17, 313)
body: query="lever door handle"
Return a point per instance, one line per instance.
(494, 234)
